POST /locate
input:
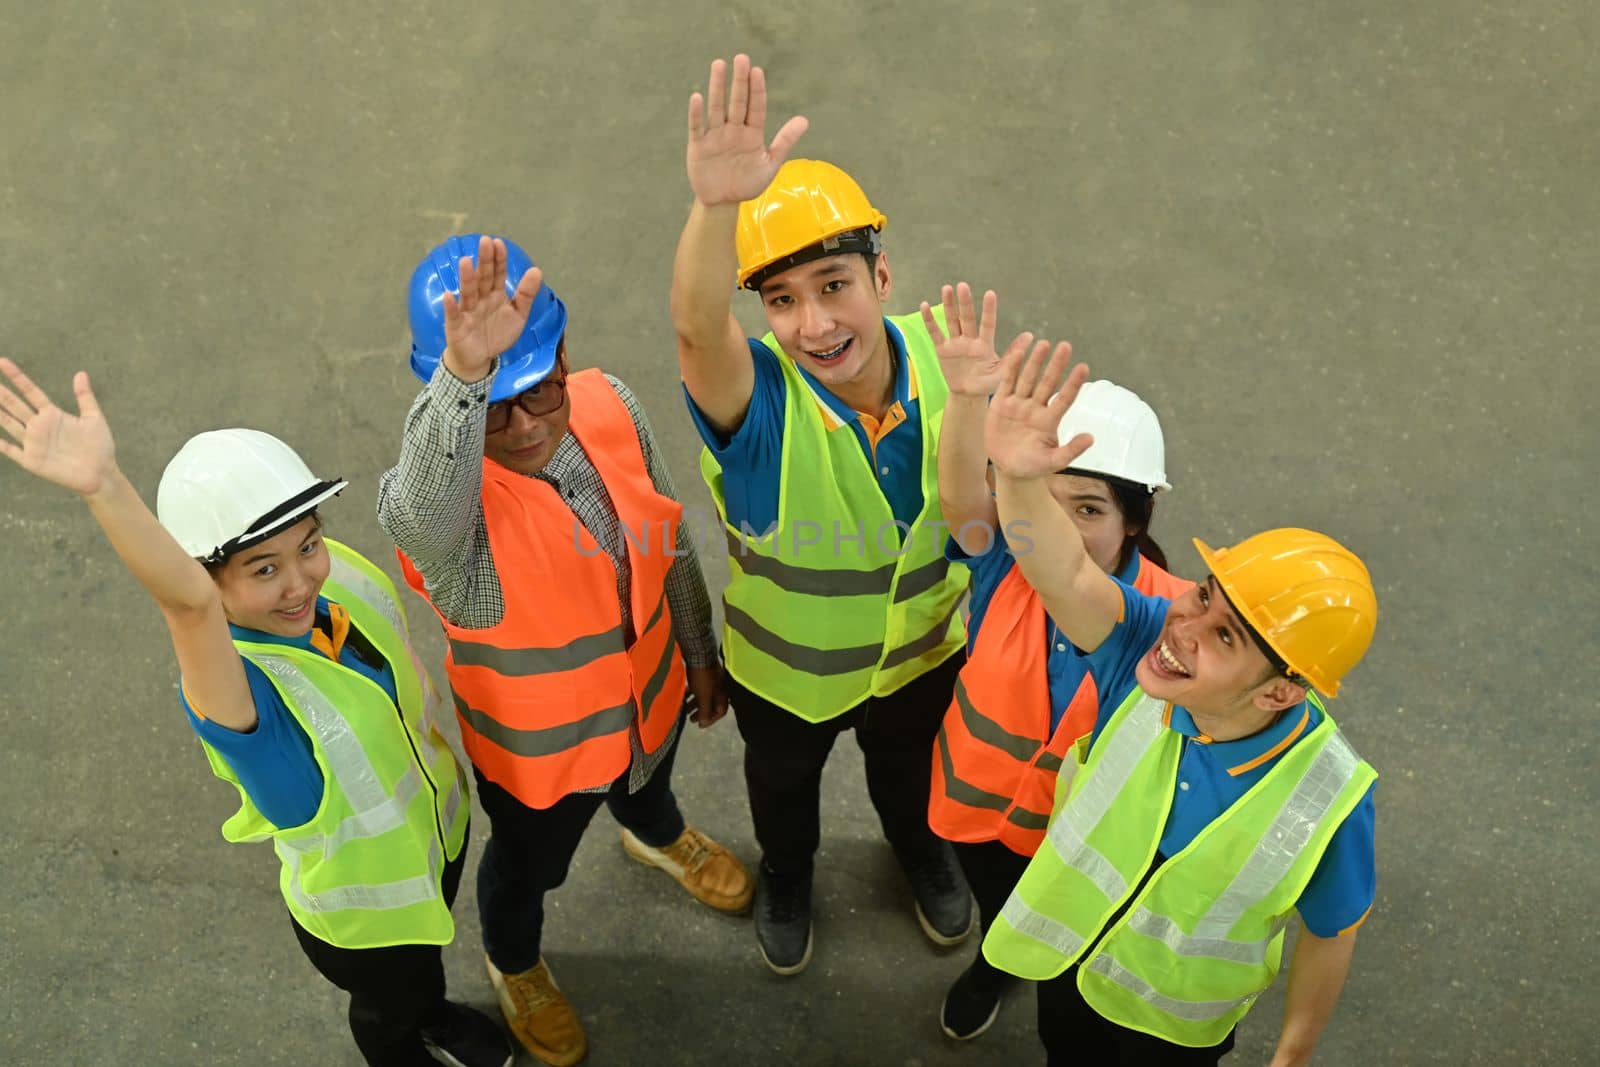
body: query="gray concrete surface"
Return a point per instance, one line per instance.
(1346, 250)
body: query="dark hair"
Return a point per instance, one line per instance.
(214, 567)
(1137, 505)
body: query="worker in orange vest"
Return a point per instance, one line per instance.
(568, 681)
(1026, 694)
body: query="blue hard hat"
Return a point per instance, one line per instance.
(522, 366)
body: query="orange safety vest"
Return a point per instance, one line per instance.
(545, 698)
(994, 771)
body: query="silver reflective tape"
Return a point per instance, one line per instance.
(1124, 749)
(990, 732)
(1048, 761)
(807, 581)
(1146, 922)
(822, 662)
(663, 668)
(347, 760)
(1067, 838)
(1040, 927)
(375, 596)
(1028, 820)
(524, 662)
(390, 814)
(1292, 828)
(919, 581)
(1198, 1011)
(548, 740)
(962, 791)
(383, 896)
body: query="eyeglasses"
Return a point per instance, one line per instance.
(542, 399)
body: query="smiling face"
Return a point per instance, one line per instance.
(273, 586)
(1206, 661)
(828, 315)
(527, 442)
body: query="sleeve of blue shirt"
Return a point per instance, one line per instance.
(1113, 663)
(752, 456)
(273, 762)
(1345, 884)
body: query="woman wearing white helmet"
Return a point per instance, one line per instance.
(1025, 694)
(298, 675)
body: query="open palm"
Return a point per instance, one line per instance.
(1020, 431)
(483, 321)
(728, 158)
(966, 355)
(73, 451)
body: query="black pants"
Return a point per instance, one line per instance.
(530, 850)
(993, 871)
(395, 992)
(784, 755)
(1075, 1035)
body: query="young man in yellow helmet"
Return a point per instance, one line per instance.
(841, 610)
(1214, 796)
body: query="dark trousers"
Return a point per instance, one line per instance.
(395, 992)
(530, 849)
(1075, 1035)
(993, 871)
(784, 755)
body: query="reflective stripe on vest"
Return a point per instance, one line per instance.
(1203, 938)
(817, 628)
(364, 873)
(998, 761)
(549, 697)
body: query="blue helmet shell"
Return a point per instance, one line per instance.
(522, 366)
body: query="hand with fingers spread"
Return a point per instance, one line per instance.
(967, 356)
(73, 451)
(729, 159)
(1036, 388)
(483, 322)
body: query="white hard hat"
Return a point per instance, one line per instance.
(226, 489)
(1127, 435)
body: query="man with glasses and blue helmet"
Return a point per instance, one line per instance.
(568, 682)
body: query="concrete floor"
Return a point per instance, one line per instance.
(1345, 250)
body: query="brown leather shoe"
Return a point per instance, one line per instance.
(711, 874)
(539, 1015)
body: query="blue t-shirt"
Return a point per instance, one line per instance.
(752, 457)
(274, 761)
(1212, 775)
(1065, 666)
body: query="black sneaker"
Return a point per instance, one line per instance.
(783, 921)
(944, 903)
(466, 1037)
(969, 1008)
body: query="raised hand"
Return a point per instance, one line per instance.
(482, 322)
(1035, 390)
(967, 356)
(729, 159)
(73, 451)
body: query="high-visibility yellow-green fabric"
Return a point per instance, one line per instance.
(1189, 952)
(365, 871)
(832, 605)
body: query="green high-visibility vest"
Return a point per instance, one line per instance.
(365, 871)
(1204, 937)
(837, 601)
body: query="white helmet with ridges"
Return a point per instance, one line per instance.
(229, 489)
(1128, 443)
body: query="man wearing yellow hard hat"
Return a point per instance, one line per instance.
(1214, 797)
(841, 611)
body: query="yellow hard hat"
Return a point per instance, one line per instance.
(1307, 597)
(812, 209)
